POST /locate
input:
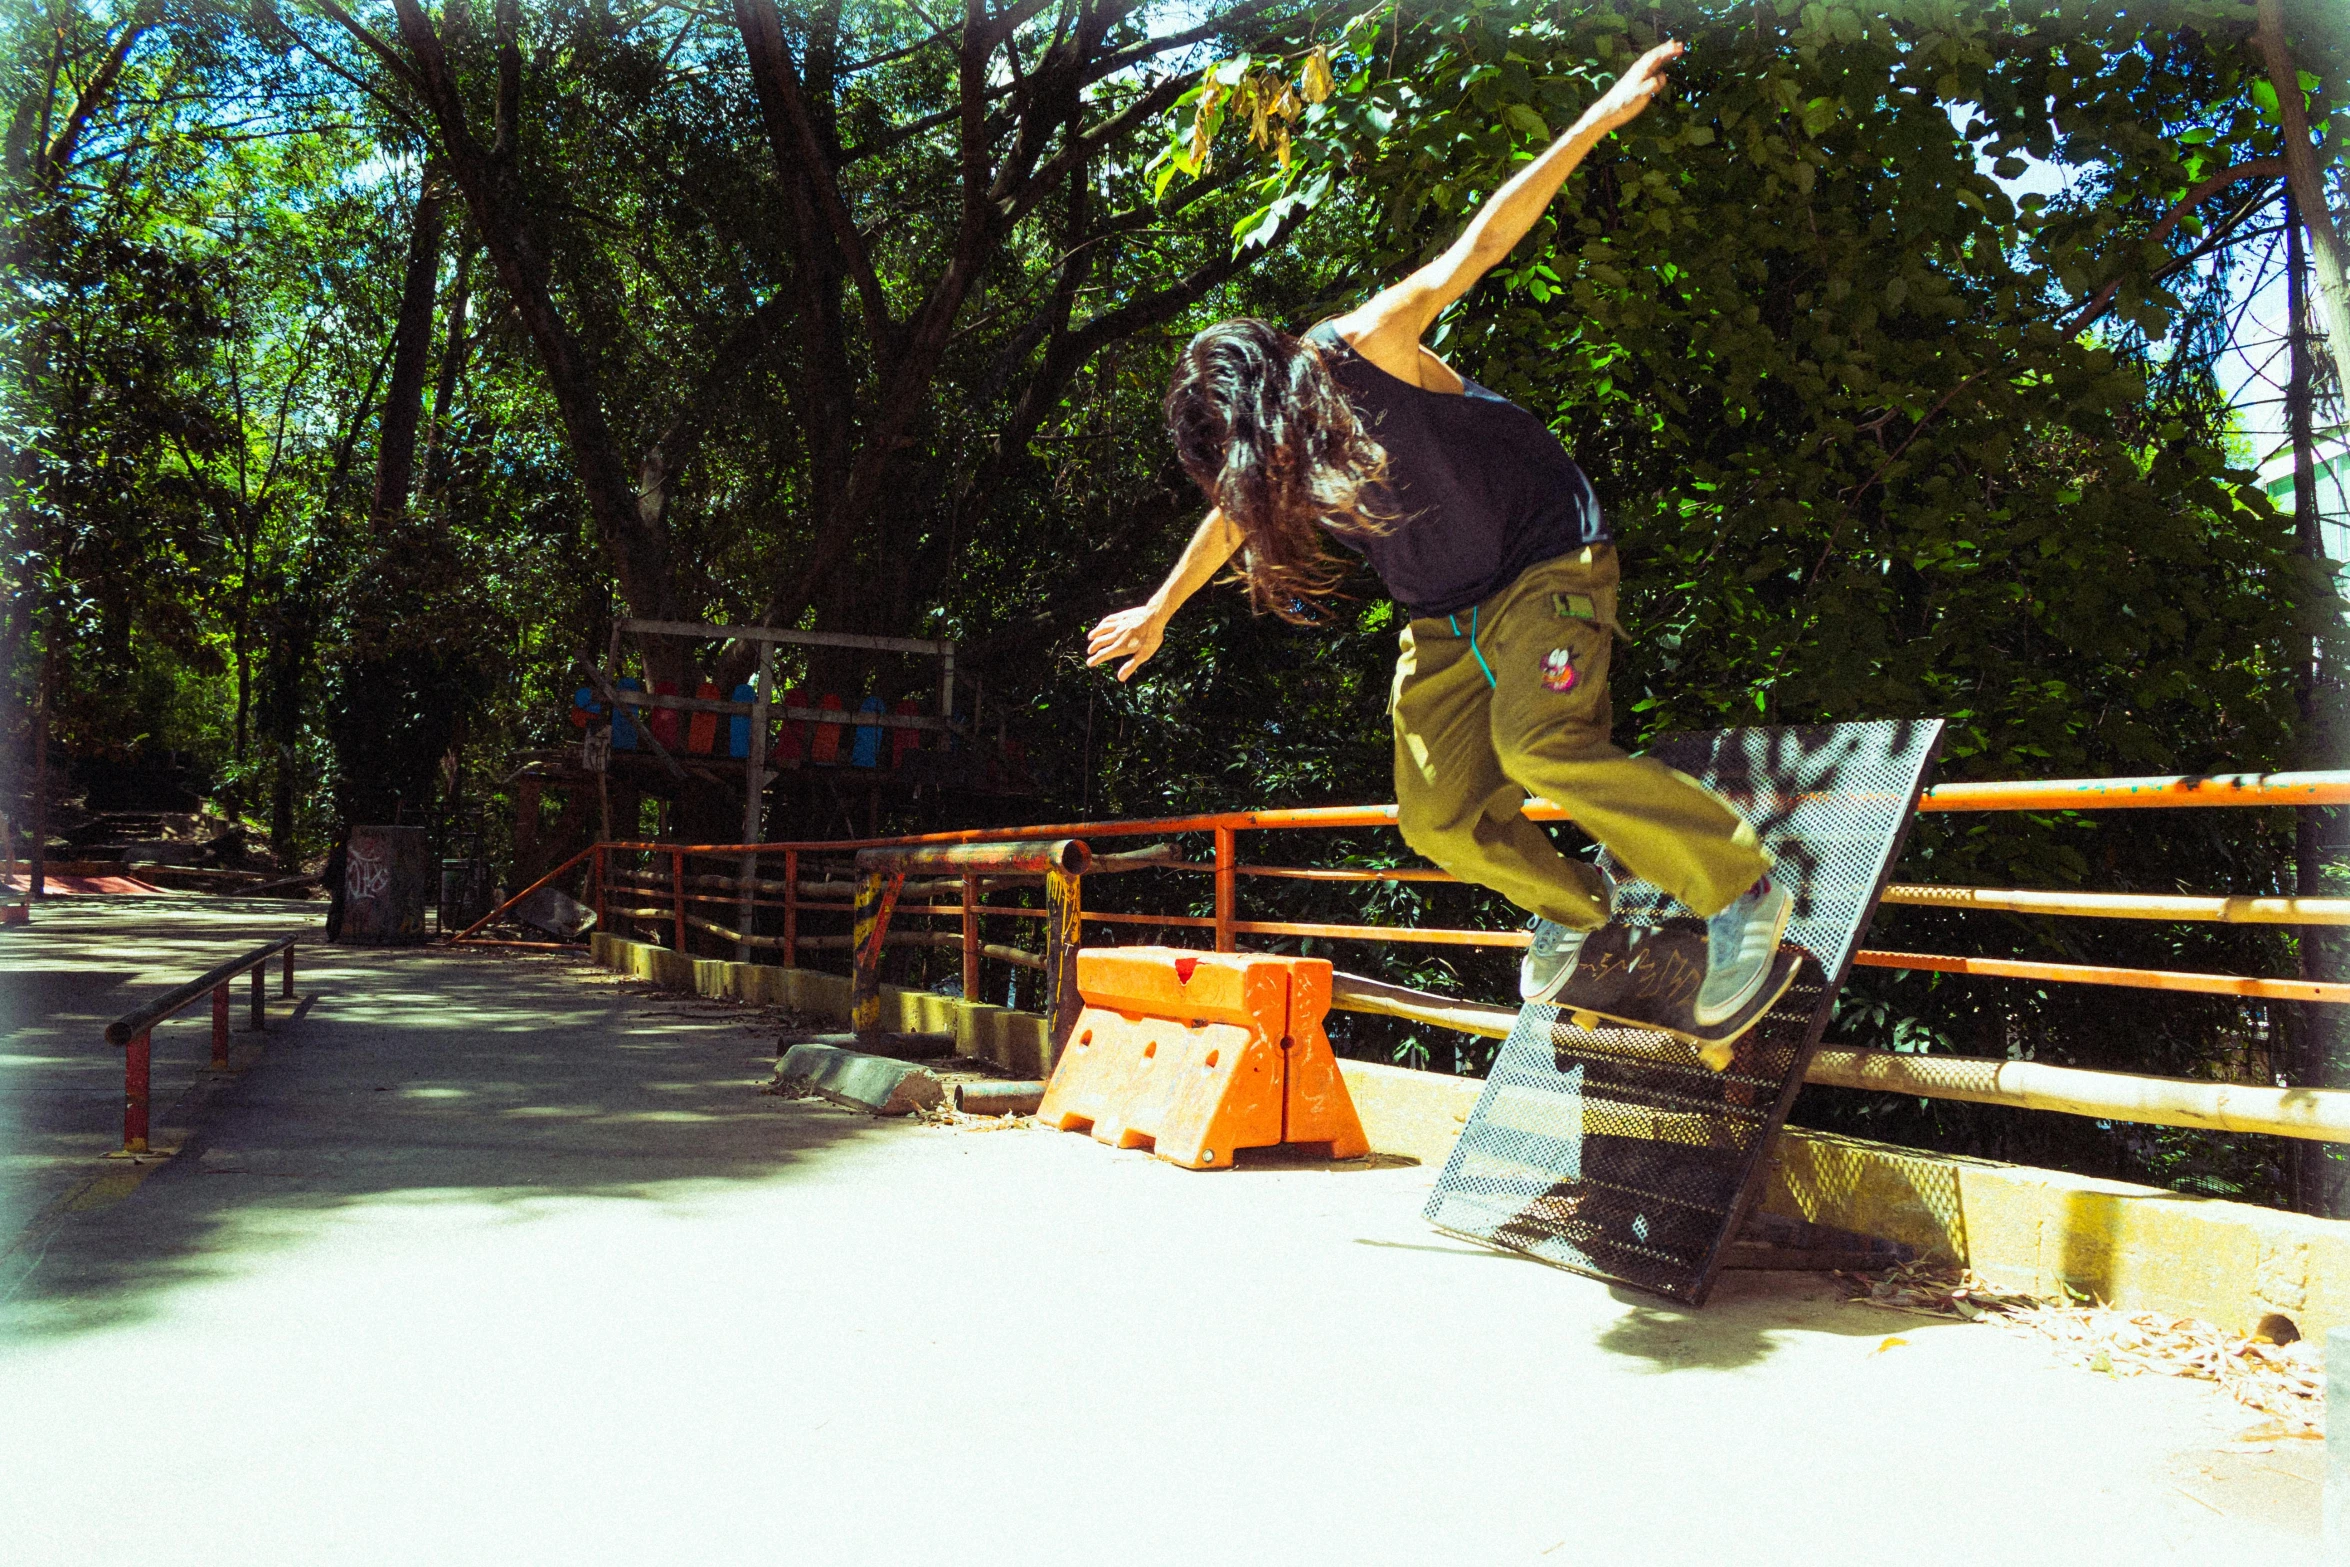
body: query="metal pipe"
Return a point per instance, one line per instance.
(712, 633)
(135, 1073)
(2315, 1113)
(1193, 921)
(597, 850)
(131, 1024)
(994, 952)
(1067, 855)
(1063, 934)
(875, 894)
(2127, 978)
(998, 1098)
(2318, 1114)
(2110, 794)
(970, 941)
(2079, 794)
(2128, 905)
(1227, 892)
(1339, 873)
(702, 704)
(791, 906)
(1435, 936)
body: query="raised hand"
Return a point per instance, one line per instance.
(1135, 632)
(1622, 103)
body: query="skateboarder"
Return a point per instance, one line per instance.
(1484, 529)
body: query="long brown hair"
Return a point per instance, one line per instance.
(1266, 433)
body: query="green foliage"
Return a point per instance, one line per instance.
(1868, 455)
(1871, 442)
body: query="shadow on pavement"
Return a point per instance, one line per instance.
(1741, 1323)
(416, 1076)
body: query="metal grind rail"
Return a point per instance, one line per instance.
(665, 894)
(131, 1032)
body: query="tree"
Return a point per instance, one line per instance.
(981, 161)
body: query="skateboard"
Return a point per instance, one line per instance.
(1647, 976)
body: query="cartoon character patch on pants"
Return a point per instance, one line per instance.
(1558, 670)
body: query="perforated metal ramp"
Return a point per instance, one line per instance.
(1614, 1151)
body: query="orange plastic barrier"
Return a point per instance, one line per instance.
(1195, 1054)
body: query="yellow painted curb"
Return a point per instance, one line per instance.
(1015, 1041)
(2040, 1230)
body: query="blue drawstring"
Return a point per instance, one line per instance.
(1480, 658)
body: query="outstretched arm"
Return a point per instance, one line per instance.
(1387, 330)
(1134, 634)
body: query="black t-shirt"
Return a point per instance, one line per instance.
(1477, 488)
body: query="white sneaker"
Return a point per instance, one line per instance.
(1550, 961)
(1740, 943)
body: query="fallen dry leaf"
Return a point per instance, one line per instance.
(2279, 1431)
(2285, 1381)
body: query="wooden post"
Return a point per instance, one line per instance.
(220, 1027)
(755, 796)
(1227, 891)
(598, 872)
(877, 894)
(8, 867)
(791, 908)
(527, 790)
(677, 895)
(37, 852)
(259, 1018)
(970, 936)
(1063, 934)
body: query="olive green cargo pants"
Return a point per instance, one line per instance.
(1523, 709)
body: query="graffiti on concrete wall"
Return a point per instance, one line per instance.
(367, 873)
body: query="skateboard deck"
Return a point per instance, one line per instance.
(1615, 1151)
(1647, 976)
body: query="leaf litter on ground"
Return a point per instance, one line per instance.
(2284, 1381)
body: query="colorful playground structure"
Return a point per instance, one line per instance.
(641, 736)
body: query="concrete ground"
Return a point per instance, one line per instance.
(490, 1257)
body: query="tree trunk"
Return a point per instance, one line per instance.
(296, 631)
(444, 392)
(241, 634)
(2305, 177)
(490, 178)
(395, 450)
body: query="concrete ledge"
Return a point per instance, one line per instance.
(2040, 1230)
(874, 1084)
(1015, 1041)
(2136, 1246)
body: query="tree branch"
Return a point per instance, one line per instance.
(1149, 48)
(774, 78)
(384, 52)
(2095, 307)
(2307, 181)
(677, 445)
(59, 152)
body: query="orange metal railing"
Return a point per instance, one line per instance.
(665, 893)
